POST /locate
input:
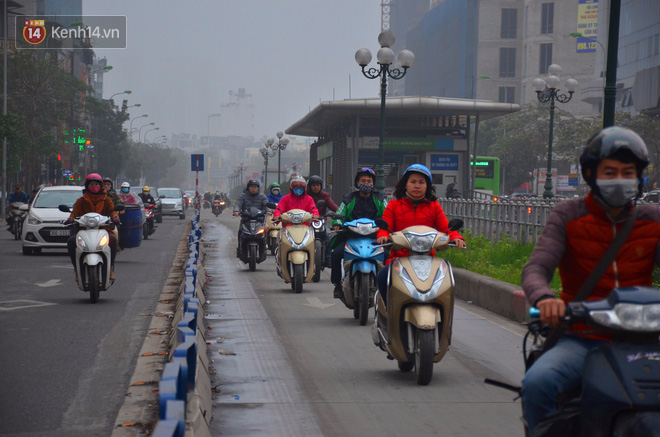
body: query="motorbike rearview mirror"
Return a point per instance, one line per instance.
(119, 207)
(381, 223)
(64, 208)
(455, 224)
(271, 205)
(24, 207)
(320, 203)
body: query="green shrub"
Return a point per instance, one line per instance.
(503, 261)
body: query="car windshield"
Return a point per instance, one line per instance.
(164, 192)
(55, 198)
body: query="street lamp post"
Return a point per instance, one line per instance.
(131, 125)
(240, 168)
(547, 91)
(117, 94)
(137, 105)
(145, 134)
(385, 57)
(266, 153)
(279, 146)
(143, 126)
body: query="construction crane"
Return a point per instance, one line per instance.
(385, 15)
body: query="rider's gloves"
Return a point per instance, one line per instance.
(68, 221)
(115, 220)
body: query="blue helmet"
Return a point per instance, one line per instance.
(419, 168)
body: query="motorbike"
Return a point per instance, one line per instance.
(16, 215)
(321, 233)
(93, 255)
(218, 206)
(207, 204)
(149, 226)
(295, 253)
(252, 240)
(621, 378)
(452, 193)
(272, 232)
(415, 327)
(362, 262)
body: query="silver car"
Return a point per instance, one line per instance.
(42, 228)
(172, 203)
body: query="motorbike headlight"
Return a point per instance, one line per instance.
(91, 222)
(34, 220)
(629, 317)
(102, 242)
(363, 229)
(296, 218)
(317, 224)
(420, 242)
(294, 244)
(81, 243)
(261, 231)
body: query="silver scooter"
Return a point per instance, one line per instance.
(93, 255)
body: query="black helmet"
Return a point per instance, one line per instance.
(109, 180)
(615, 143)
(253, 182)
(315, 180)
(365, 171)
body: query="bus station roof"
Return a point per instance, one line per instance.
(330, 113)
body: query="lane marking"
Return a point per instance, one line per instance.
(315, 302)
(50, 283)
(10, 305)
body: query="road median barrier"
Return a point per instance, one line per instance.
(179, 364)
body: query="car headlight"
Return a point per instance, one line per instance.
(81, 243)
(420, 242)
(629, 317)
(34, 220)
(363, 229)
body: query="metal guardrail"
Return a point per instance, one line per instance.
(520, 221)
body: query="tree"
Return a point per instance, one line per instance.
(110, 142)
(43, 95)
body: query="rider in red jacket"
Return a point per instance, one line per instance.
(296, 199)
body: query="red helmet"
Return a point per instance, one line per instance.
(93, 177)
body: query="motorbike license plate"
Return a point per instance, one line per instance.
(59, 233)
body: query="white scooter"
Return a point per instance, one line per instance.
(93, 255)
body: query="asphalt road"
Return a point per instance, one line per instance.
(66, 363)
(300, 365)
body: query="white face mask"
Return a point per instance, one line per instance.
(617, 193)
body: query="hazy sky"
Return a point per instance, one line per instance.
(184, 57)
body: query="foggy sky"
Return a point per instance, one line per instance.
(184, 57)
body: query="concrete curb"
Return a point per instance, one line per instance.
(499, 297)
(139, 412)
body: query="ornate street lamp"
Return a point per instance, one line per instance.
(385, 57)
(240, 168)
(266, 152)
(279, 146)
(548, 91)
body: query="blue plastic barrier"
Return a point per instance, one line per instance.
(130, 231)
(173, 371)
(188, 350)
(168, 428)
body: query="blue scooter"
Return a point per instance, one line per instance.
(362, 262)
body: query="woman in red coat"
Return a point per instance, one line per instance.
(414, 204)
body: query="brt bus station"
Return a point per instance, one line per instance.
(438, 132)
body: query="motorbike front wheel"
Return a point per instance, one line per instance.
(273, 245)
(252, 257)
(145, 231)
(364, 298)
(424, 352)
(298, 278)
(93, 280)
(16, 228)
(318, 261)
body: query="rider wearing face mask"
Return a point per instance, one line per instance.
(274, 193)
(296, 199)
(93, 199)
(363, 203)
(574, 239)
(126, 196)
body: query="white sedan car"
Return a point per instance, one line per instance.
(42, 228)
